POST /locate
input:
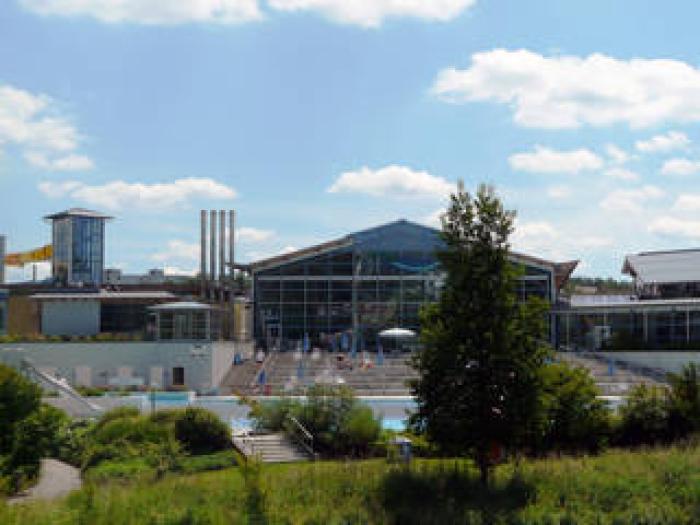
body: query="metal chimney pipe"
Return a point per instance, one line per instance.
(203, 250)
(222, 245)
(231, 240)
(3, 247)
(212, 245)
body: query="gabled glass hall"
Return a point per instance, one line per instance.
(352, 288)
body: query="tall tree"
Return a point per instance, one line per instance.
(479, 386)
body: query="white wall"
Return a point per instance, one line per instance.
(205, 364)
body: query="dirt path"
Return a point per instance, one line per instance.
(56, 479)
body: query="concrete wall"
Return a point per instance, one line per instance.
(205, 364)
(669, 361)
(70, 317)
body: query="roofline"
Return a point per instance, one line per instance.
(74, 212)
(316, 249)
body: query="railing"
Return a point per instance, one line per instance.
(302, 436)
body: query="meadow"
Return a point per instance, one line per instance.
(651, 486)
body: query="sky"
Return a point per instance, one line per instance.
(316, 118)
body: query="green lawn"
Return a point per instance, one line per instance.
(648, 487)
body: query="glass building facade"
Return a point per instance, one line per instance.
(345, 292)
(78, 247)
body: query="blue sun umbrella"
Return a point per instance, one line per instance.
(380, 353)
(307, 343)
(353, 352)
(300, 370)
(344, 342)
(262, 378)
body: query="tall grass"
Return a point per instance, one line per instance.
(645, 487)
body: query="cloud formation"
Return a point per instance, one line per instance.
(680, 166)
(546, 160)
(34, 125)
(631, 200)
(674, 227)
(392, 181)
(662, 143)
(372, 13)
(363, 13)
(152, 12)
(119, 194)
(570, 92)
(621, 174)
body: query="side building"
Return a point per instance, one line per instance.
(663, 313)
(346, 291)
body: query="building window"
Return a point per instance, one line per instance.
(178, 376)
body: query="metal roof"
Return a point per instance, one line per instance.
(102, 295)
(184, 305)
(584, 303)
(664, 267)
(78, 212)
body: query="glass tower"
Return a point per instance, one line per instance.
(78, 247)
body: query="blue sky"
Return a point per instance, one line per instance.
(315, 118)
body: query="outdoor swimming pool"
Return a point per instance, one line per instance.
(394, 411)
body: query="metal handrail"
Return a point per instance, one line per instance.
(307, 441)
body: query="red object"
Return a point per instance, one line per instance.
(268, 390)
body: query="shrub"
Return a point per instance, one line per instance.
(117, 413)
(360, 429)
(645, 416)
(684, 401)
(19, 398)
(201, 431)
(272, 415)
(575, 419)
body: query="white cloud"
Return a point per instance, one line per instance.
(119, 194)
(546, 160)
(543, 239)
(616, 154)
(621, 174)
(181, 272)
(570, 91)
(152, 12)
(371, 13)
(680, 166)
(178, 251)
(393, 181)
(70, 162)
(673, 227)
(559, 192)
(253, 235)
(260, 255)
(662, 143)
(630, 200)
(34, 124)
(687, 202)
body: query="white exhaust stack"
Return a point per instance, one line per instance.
(203, 250)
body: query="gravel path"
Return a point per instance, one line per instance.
(56, 479)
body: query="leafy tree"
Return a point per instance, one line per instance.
(19, 397)
(645, 416)
(479, 386)
(684, 401)
(37, 436)
(576, 419)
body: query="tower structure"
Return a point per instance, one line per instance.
(78, 238)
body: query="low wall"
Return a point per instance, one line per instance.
(97, 363)
(668, 361)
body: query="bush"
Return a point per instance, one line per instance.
(360, 429)
(645, 416)
(684, 402)
(575, 419)
(201, 431)
(19, 398)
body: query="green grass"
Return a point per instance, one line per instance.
(646, 487)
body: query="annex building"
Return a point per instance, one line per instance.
(340, 294)
(663, 312)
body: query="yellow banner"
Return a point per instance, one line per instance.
(21, 258)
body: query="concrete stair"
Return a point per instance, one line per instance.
(239, 378)
(620, 382)
(272, 448)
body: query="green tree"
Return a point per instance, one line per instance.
(19, 397)
(576, 419)
(479, 385)
(645, 416)
(684, 401)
